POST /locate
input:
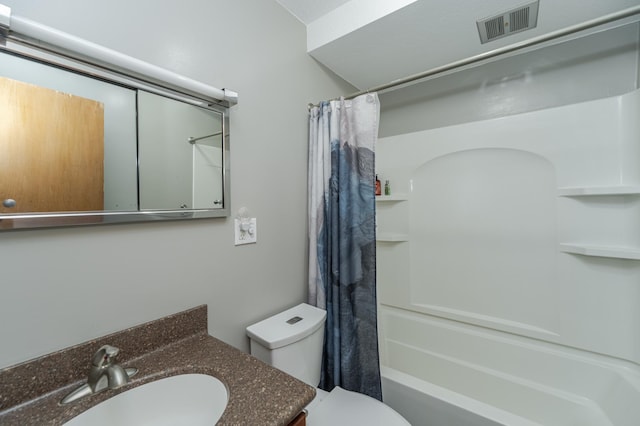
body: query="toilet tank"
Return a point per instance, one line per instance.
(291, 341)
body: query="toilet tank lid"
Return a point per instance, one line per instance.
(287, 327)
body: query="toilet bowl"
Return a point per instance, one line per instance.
(292, 342)
(343, 407)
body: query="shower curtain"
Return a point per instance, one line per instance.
(342, 247)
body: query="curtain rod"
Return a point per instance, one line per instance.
(193, 140)
(626, 13)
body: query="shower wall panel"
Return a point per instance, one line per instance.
(527, 225)
(207, 175)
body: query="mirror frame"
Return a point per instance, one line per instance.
(21, 221)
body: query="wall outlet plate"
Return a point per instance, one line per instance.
(246, 231)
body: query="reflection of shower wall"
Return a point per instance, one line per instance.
(520, 232)
(170, 166)
(165, 167)
(207, 175)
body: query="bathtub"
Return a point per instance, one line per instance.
(437, 372)
(423, 403)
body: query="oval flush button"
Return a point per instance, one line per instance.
(294, 320)
(9, 202)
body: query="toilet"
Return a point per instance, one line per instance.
(292, 342)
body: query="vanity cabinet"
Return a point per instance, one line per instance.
(28, 402)
(300, 420)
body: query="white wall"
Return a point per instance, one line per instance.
(64, 286)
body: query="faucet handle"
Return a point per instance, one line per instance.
(104, 356)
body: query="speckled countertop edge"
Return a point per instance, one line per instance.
(258, 393)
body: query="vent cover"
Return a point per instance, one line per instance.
(510, 22)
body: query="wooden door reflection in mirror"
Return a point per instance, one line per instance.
(51, 150)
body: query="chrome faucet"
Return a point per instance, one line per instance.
(104, 374)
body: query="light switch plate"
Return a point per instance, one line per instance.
(246, 231)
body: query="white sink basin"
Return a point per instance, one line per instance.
(187, 399)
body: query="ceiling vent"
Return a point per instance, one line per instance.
(510, 22)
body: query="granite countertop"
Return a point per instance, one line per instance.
(258, 393)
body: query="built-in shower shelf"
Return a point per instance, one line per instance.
(585, 191)
(391, 198)
(601, 251)
(391, 237)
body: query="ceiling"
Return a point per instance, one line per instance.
(308, 11)
(373, 42)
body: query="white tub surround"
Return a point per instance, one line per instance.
(513, 274)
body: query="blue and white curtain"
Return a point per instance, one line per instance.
(342, 247)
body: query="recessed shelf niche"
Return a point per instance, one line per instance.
(391, 198)
(584, 191)
(392, 218)
(391, 237)
(601, 251)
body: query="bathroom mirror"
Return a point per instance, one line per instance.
(79, 146)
